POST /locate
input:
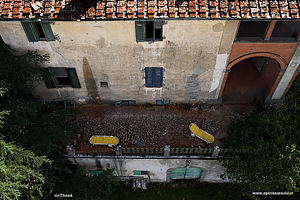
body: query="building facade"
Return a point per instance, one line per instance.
(189, 51)
(193, 51)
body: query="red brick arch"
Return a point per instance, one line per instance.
(281, 61)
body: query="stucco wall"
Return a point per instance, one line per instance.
(107, 51)
(159, 169)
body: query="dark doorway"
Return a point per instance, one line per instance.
(250, 79)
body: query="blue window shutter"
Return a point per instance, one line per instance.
(154, 76)
(149, 76)
(30, 32)
(140, 31)
(158, 77)
(47, 31)
(73, 77)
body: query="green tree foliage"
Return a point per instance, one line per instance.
(36, 126)
(83, 186)
(20, 170)
(32, 133)
(264, 149)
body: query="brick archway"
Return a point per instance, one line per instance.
(281, 62)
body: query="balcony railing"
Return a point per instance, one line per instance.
(167, 151)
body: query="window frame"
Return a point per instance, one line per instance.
(154, 77)
(33, 31)
(71, 73)
(141, 31)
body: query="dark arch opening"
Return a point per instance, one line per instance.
(250, 79)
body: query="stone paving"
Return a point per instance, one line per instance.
(154, 125)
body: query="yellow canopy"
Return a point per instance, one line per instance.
(201, 134)
(104, 140)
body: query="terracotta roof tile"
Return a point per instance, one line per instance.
(100, 5)
(17, 4)
(16, 11)
(151, 10)
(63, 9)
(151, 3)
(7, 6)
(111, 4)
(172, 3)
(131, 3)
(193, 9)
(111, 10)
(172, 10)
(202, 3)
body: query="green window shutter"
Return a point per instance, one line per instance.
(157, 30)
(30, 32)
(73, 77)
(48, 79)
(95, 172)
(47, 31)
(137, 173)
(140, 31)
(49, 83)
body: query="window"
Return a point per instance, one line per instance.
(154, 77)
(286, 29)
(104, 84)
(38, 31)
(148, 31)
(252, 29)
(62, 77)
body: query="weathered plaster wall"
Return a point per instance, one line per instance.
(159, 169)
(106, 51)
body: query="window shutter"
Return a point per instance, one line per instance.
(49, 83)
(73, 77)
(158, 74)
(158, 30)
(149, 76)
(47, 31)
(48, 80)
(140, 31)
(30, 32)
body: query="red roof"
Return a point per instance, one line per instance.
(116, 9)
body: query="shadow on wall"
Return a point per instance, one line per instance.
(89, 80)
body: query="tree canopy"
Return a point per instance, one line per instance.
(264, 149)
(31, 133)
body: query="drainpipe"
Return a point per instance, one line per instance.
(149, 177)
(116, 167)
(59, 95)
(120, 167)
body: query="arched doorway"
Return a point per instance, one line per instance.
(249, 79)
